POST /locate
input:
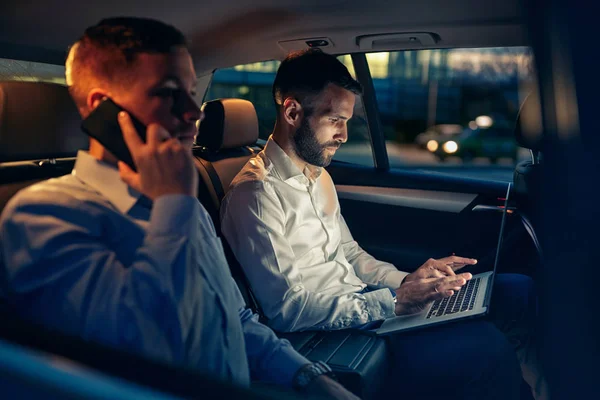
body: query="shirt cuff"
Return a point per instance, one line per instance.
(380, 304)
(175, 214)
(394, 279)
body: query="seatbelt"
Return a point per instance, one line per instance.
(529, 228)
(234, 265)
(214, 178)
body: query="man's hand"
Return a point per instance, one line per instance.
(439, 268)
(326, 387)
(163, 165)
(415, 295)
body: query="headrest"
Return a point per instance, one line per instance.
(227, 124)
(528, 130)
(38, 121)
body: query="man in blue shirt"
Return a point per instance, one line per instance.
(128, 257)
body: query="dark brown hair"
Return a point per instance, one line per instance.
(304, 74)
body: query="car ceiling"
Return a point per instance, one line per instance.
(227, 33)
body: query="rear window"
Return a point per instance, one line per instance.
(28, 71)
(251, 82)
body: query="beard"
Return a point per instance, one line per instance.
(308, 148)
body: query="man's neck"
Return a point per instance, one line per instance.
(100, 153)
(283, 138)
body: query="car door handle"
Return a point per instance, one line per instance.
(483, 207)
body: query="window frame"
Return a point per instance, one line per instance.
(375, 127)
(376, 137)
(363, 75)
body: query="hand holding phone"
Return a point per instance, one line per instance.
(165, 166)
(151, 161)
(102, 125)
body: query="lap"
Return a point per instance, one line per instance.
(454, 345)
(474, 357)
(463, 360)
(513, 299)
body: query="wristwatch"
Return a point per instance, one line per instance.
(309, 373)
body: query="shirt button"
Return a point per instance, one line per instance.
(297, 289)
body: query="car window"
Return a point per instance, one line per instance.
(254, 81)
(250, 82)
(358, 149)
(27, 71)
(452, 110)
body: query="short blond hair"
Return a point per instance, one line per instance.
(107, 51)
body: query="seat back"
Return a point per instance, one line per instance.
(226, 136)
(527, 176)
(225, 143)
(39, 134)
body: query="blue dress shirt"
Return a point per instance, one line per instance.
(86, 254)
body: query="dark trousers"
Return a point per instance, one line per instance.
(475, 359)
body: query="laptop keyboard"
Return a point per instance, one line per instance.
(463, 300)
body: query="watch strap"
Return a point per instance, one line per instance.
(309, 373)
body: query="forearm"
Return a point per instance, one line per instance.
(372, 271)
(304, 310)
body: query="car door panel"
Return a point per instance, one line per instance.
(411, 198)
(406, 217)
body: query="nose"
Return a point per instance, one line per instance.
(342, 134)
(188, 109)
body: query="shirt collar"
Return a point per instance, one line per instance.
(105, 179)
(285, 167)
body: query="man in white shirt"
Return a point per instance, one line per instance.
(130, 258)
(282, 218)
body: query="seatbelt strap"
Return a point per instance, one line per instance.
(233, 263)
(214, 178)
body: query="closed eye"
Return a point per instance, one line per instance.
(166, 92)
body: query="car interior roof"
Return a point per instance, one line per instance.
(240, 31)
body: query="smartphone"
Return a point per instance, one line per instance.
(102, 124)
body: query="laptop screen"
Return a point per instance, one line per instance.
(499, 246)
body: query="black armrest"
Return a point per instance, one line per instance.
(359, 358)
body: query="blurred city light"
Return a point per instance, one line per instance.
(244, 90)
(450, 147)
(432, 145)
(484, 121)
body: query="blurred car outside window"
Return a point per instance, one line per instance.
(453, 110)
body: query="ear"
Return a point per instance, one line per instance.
(94, 97)
(292, 111)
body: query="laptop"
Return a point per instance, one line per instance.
(472, 300)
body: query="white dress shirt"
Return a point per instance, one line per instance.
(88, 255)
(286, 230)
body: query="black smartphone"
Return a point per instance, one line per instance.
(102, 124)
